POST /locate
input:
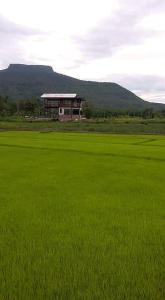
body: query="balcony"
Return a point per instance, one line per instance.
(52, 104)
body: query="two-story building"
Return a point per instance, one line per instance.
(64, 107)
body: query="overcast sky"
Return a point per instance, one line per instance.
(106, 40)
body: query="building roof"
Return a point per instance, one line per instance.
(50, 96)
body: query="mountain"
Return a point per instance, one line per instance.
(25, 81)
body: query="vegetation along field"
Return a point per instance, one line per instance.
(123, 125)
(82, 216)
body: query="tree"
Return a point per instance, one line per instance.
(87, 110)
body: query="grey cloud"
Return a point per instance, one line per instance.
(12, 37)
(121, 29)
(149, 87)
(145, 82)
(8, 27)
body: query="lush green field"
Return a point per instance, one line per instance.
(123, 125)
(82, 216)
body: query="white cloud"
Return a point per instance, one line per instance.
(90, 39)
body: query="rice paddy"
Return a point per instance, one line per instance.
(82, 216)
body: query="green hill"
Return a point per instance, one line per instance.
(26, 81)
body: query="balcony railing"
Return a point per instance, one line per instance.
(57, 105)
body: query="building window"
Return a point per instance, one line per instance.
(76, 112)
(51, 103)
(67, 102)
(67, 111)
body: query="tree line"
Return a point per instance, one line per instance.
(34, 108)
(148, 113)
(30, 107)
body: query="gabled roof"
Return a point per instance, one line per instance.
(47, 96)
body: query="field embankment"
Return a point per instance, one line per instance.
(112, 125)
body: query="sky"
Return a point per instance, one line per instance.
(120, 41)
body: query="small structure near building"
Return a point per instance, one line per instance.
(64, 107)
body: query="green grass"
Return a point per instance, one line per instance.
(123, 125)
(82, 216)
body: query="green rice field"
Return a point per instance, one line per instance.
(82, 216)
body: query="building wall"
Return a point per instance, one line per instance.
(63, 118)
(63, 110)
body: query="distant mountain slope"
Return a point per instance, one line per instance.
(26, 81)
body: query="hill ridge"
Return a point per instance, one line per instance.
(21, 81)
